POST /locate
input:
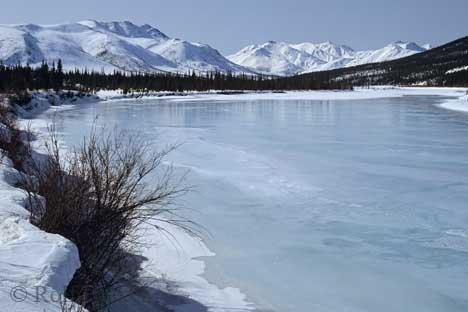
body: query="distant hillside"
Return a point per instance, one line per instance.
(446, 65)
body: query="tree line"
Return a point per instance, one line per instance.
(19, 78)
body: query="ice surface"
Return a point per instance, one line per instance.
(327, 201)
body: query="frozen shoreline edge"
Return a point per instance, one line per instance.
(357, 94)
(460, 104)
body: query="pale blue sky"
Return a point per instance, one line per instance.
(231, 25)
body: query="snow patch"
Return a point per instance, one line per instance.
(456, 70)
(460, 104)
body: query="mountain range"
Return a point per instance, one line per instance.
(284, 59)
(109, 46)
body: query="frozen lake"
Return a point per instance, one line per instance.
(344, 205)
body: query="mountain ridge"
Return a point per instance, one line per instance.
(285, 59)
(109, 46)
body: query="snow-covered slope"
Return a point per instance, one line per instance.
(390, 52)
(279, 58)
(108, 46)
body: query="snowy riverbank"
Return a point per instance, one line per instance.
(35, 267)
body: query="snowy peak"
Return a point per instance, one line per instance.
(125, 29)
(193, 55)
(427, 46)
(109, 46)
(277, 58)
(410, 46)
(328, 50)
(280, 58)
(153, 32)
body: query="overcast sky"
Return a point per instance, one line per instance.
(229, 25)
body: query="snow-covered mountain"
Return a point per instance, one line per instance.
(284, 59)
(125, 46)
(108, 46)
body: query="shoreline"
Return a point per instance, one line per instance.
(357, 93)
(44, 100)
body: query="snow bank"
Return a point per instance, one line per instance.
(116, 95)
(32, 262)
(113, 95)
(460, 104)
(35, 266)
(43, 100)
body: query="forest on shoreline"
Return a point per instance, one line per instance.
(18, 79)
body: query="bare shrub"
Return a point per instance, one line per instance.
(98, 196)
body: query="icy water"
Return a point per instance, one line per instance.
(319, 205)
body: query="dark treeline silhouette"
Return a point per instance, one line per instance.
(16, 79)
(431, 68)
